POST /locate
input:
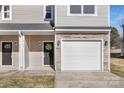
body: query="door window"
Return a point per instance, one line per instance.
(6, 53)
(48, 53)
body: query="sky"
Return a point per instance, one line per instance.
(117, 17)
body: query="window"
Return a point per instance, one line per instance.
(82, 10)
(6, 12)
(75, 9)
(88, 9)
(48, 12)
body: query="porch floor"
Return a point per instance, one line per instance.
(12, 73)
(48, 68)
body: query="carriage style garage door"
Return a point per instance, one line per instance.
(81, 55)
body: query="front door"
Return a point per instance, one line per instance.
(6, 53)
(48, 53)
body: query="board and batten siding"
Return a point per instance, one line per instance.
(63, 19)
(25, 14)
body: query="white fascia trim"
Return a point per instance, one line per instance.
(83, 30)
(3, 13)
(27, 30)
(37, 30)
(82, 14)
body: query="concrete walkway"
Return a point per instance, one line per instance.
(25, 73)
(88, 80)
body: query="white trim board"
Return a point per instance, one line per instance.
(27, 30)
(83, 30)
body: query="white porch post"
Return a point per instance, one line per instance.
(21, 51)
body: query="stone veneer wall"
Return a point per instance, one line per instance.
(59, 36)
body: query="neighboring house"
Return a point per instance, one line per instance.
(75, 37)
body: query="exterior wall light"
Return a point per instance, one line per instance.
(106, 43)
(58, 43)
(15, 42)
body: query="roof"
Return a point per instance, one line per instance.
(33, 26)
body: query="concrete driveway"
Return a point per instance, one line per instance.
(88, 80)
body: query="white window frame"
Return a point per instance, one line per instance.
(10, 17)
(48, 19)
(82, 14)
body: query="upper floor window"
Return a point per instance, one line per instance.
(6, 12)
(48, 12)
(82, 10)
(88, 9)
(75, 9)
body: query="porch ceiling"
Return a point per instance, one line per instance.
(27, 29)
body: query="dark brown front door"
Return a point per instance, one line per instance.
(48, 53)
(6, 53)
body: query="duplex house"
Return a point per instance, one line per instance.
(63, 37)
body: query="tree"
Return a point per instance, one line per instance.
(115, 38)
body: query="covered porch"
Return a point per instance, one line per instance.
(31, 46)
(39, 52)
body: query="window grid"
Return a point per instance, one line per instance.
(82, 12)
(6, 12)
(48, 12)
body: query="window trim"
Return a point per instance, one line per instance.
(44, 17)
(82, 14)
(10, 7)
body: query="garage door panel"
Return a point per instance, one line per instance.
(81, 55)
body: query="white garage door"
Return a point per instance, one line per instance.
(81, 55)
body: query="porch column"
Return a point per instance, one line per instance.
(21, 51)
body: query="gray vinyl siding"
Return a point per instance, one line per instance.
(26, 14)
(63, 19)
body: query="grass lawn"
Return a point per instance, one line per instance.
(117, 66)
(27, 82)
